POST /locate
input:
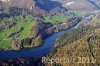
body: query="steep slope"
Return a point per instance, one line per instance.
(84, 51)
(78, 47)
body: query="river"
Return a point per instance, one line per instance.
(37, 52)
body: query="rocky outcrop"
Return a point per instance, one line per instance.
(37, 41)
(17, 44)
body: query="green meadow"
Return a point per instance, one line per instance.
(26, 24)
(55, 19)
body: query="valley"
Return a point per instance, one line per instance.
(33, 29)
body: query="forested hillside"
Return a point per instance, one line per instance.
(81, 44)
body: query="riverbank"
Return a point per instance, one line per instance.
(38, 52)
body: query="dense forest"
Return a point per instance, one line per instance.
(81, 44)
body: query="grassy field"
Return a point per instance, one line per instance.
(26, 23)
(61, 18)
(5, 44)
(55, 19)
